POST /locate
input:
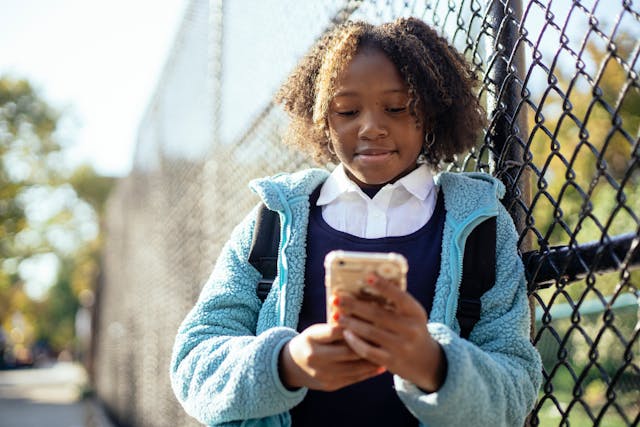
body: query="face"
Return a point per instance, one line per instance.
(372, 131)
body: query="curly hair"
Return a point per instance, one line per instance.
(440, 82)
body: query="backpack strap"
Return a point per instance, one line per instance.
(478, 274)
(264, 248)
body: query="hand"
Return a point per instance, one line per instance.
(395, 338)
(318, 358)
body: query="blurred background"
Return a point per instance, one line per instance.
(129, 131)
(75, 80)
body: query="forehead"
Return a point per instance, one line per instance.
(369, 70)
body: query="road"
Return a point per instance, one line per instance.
(47, 396)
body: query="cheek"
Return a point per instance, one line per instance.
(340, 127)
(340, 134)
(414, 137)
(339, 146)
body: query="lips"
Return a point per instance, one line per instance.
(374, 151)
(371, 157)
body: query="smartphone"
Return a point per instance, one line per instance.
(347, 271)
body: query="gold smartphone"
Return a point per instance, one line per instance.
(347, 271)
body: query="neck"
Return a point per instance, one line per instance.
(371, 190)
(367, 187)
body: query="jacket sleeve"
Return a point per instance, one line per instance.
(220, 370)
(493, 378)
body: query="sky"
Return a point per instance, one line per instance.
(96, 61)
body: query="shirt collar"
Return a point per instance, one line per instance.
(419, 183)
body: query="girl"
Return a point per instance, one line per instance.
(387, 103)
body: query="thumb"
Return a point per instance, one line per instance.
(324, 333)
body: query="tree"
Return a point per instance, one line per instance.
(47, 212)
(586, 149)
(592, 119)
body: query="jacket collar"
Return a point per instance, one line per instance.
(467, 193)
(279, 191)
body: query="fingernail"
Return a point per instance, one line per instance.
(371, 278)
(335, 300)
(335, 316)
(381, 370)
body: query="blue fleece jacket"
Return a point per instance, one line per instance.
(224, 366)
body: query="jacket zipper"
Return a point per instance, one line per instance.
(283, 264)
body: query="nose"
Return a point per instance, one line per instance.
(372, 126)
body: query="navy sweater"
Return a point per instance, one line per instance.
(374, 401)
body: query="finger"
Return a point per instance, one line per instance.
(369, 332)
(338, 352)
(379, 316)
(324, 333)
(371, 371)
(367, 310)
(328, 342)
(338, 382)
(357, 368)
(401, 300)
(371, 353)
(351, 373)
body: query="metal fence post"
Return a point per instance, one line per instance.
(508, 123)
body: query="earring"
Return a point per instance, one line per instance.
(425, 153)
(329, 143)
(330, 148)
(429, 140)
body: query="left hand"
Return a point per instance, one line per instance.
(396, 338)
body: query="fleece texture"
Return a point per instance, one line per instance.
(224, 366)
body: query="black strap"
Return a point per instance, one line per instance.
(478, 270)
(478, 274)
(264, 248)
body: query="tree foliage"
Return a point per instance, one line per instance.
(584, 145)
(47, 211)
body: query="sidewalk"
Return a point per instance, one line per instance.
(48, 396)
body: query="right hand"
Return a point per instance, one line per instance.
(319, 358)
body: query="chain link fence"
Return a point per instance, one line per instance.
(561, 88)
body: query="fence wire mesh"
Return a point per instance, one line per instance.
(561, 89)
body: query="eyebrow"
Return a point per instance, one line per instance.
(354, 93)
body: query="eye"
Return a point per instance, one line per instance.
(394, 110)
(347, 113)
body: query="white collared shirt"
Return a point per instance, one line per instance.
(397, 209)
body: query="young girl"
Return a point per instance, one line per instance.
(387, 103)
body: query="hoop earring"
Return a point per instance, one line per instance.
(425, 153)
(429, 140)
(330, 148)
